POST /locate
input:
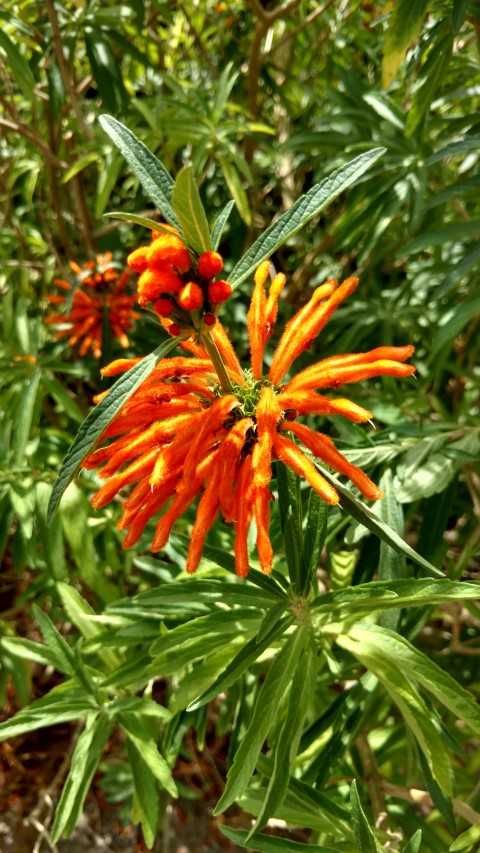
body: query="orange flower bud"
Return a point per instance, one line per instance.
(164, 306)
(209, 320)
(209, 264)
(219, 291)
(168, 250)
(174, 329)
(152, 283)
(137, 260)
(190, 297)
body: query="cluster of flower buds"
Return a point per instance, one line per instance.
(182, 289)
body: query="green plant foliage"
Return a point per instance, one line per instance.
(334, 703)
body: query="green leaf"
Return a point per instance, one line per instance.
(392, 565)
(290, 505)
(377, 595)
(80, 613)
(313, 538)
(360, 512)
(455, 321)
(270, 844)
(151, 173)
(405, 24)
(432, 73)
(85, 759)
(459, 12)
(145, 799)
(20, 69)
(267, 705)
(220, 223)
(250, 652)
(62, 397)
(438, 471)
(413, 845)
(99, 419)
(437, 681)
(190, 211)
(285, 751)
(79, 165)
(56, 645)
(393, 674)
(365, 838)
(147, 748)
(467, 840)
(28, 650)
(304, 209)
(24, 422)
(234, 184)
(50, 710)
(219, 622)
(144, 221)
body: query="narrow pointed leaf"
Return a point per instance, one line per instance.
(190, 211)
(85, 759)
(144, 221)
(151, 173)
(362, 513)
(220, 223)
(270, 844)
(365, 838)
(100, 417)
(304, 209)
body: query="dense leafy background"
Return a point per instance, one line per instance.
(263, 101)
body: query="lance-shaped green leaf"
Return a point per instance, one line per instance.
(54, 708)
(145, 808)
(413, 708)
(269, 698)
(304, 209)
(383, 595)
(286, 747)
(147, 748)
(434, 679)
(366, 841)
(270, 844)
(144, 221)
(19, 66)
(220, 223)
(151, 173)
(413, 845)
(102, 415)
(405, 24)
(86, 756)
(362, 513)
(190, 211)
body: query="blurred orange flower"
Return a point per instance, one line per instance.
(185, 434)
(98, 294)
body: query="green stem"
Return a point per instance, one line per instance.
(217, 361)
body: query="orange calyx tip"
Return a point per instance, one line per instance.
(137, 260)
(119, 366)
(209, 264)
(209, 319)
(164, 306)
(168, 250)
(190, 297)
(174, 330)
(219, 291)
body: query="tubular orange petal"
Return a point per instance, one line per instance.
(231, 450)
(227, 352)
(269, 414)
(323, 448)
(271, 308)
(256, 319)
(291, 455)
(208, 507)
(310, 403)
(261, 509)
(294, 339)
(242, 517)
(319, 376)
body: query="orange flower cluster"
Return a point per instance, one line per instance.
(100, 290)
(183, 434)
(180, 287)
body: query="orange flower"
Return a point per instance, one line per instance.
(194, 429)
(100, 290)
(179, 285)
